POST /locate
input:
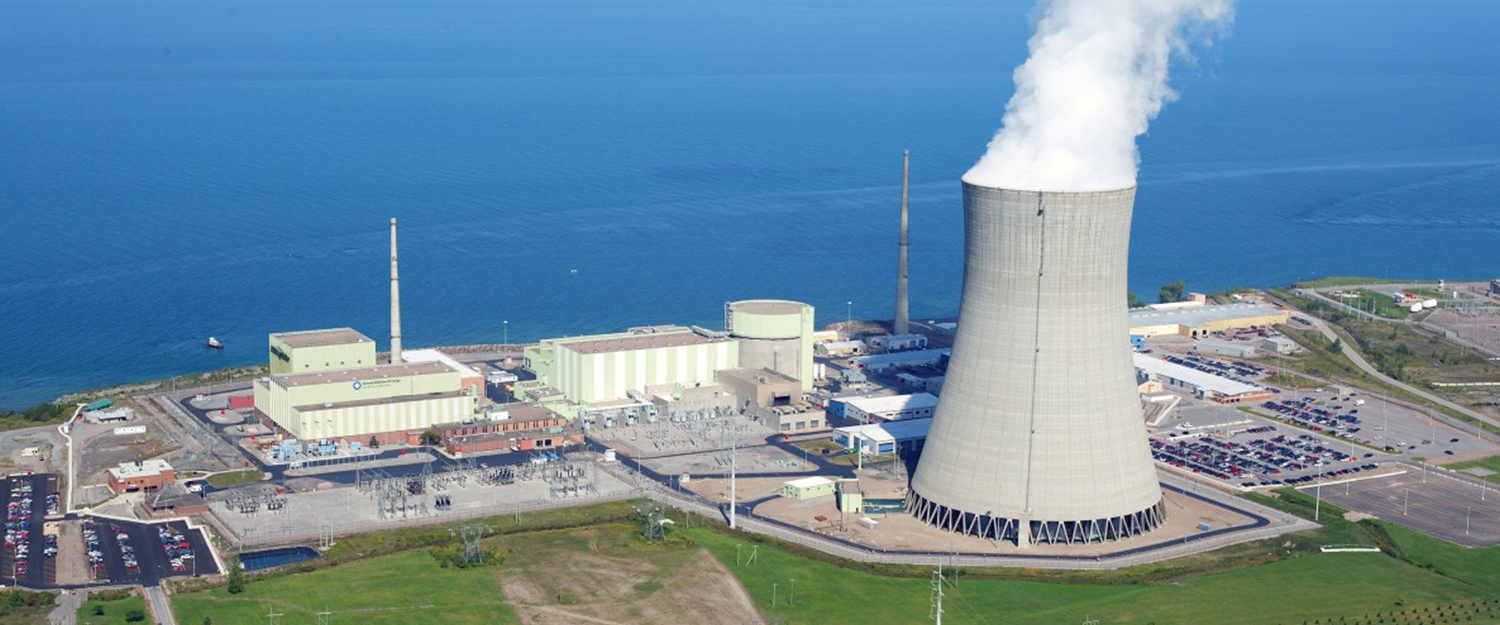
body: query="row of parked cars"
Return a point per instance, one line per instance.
(178, 549)
(1314, 415)
(1239, 372)
(1262, 458)
(18, 525)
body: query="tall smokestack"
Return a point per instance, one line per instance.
(395, 301)
(902, 324)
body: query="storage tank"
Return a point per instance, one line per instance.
(773, 334)
(1039, 435)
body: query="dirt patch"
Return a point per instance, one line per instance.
(609, 575)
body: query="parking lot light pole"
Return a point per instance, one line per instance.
(1318, 503)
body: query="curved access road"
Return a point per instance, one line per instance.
(1359, 361)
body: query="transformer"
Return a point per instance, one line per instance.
(1039, 435)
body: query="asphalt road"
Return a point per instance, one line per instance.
(1359, 361)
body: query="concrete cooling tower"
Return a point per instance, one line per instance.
(1038, 436)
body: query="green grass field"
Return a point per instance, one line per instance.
(1492, 463)
(407, 587)
(234, 478)
(1349, 281)
(115, 611)
(1417, 580)
(1309, 587)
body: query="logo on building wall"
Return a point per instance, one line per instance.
(357, 385)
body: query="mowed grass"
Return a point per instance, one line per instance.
(1480, 567)
(1492, 463)
(406, 587)
(1310, 587)
(234, 478)
(115, 611)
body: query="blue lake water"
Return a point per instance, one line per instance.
(171, 170)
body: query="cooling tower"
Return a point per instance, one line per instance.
(1038, 436)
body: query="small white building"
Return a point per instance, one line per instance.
(897, 342)
(839, 348)
(890, 407)
(1279, 345)
(880, 439)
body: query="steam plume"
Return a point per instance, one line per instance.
(1096, 77)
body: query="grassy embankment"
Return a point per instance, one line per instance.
(114, 608)
(383, 578)
(1333, 281)
(1400, 351)
(23, 607)
(1492, 463)
(1304, 585)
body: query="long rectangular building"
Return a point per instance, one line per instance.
(890, 407)
(386, 401)
(1197, 321)
(605, 367)
(1199, 383)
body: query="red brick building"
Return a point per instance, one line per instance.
(146, 475)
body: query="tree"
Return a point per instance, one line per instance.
(1134, 301)
(1172, 292)
(98, 609)
(374, 442)
(431, 437)
(1337, 346)
(208, 621)
(236, 577)
(135, 615)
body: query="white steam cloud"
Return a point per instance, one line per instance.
(1096, 77)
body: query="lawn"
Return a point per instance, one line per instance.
(234, 478)
(1349, 281)
(1301, 588)
(1492, 463)
(1480, 567)
(407, 587)
(1380, 304)
(115, 610)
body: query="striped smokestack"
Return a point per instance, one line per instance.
(395, 301)
(902, 323)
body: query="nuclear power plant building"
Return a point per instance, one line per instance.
(325, 385)
(1038, 436)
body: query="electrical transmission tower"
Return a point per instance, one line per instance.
(652, 522)
(470, 534)
(936, 613)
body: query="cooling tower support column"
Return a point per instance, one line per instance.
(395, 301)
(902, 324)
(1039, 436)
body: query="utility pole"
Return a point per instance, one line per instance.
(937, 594)
(733, 468)
(1318, 505)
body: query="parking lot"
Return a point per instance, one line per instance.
(1375, 422)
(124, 552)
(1464, 511)
(1256, 454)
(28, 554)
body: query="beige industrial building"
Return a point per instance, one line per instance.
(320, 350)
(774, 398)
(324, 397)
(606, 367)
(1196, 320)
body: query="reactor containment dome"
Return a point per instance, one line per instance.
(773, 334)
(1038, 436)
